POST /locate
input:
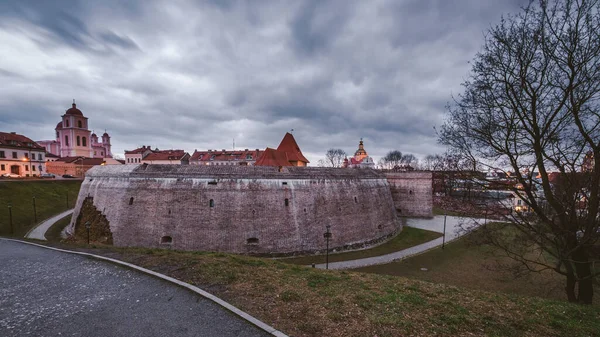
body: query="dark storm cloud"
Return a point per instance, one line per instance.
(189, 74)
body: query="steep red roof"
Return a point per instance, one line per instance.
(288, 144)
(14, 139)
(239, 155)
(166, 155)
(272, 157)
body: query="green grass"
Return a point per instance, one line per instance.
(409, 237)
(50, 199)
(475, 267)
(53, 233)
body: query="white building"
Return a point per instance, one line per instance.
(21, 156)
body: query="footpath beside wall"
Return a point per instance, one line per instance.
(412, 192)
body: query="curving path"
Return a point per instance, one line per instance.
(39, 231)
(455, 227)
(50, 293)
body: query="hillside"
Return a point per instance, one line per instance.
(50, 199)
(302, 301)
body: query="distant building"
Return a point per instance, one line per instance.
(361, 158)
(288, 153)
(73, 138)
(166, 157)
(225, 157)
(75, 166)
(136, 156)
(588, 162)
(20, 155)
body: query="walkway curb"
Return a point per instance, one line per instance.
(247, 317)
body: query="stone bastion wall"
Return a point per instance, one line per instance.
(239, 209)
(412, 192)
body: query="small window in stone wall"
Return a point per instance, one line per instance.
(212, 182)
(284, 183)
(287, 202)
(211, 203)
(131, 201)
(166, 240)
(410, 192)
(355, 200)
(252, 241)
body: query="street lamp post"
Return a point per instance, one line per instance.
(444, 236)
(12, 231)
(87, 227)
(327, 236)
(34, 210)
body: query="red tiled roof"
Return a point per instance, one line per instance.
(288, 144)
(16, 140)
(166, 155)
(81, 160)
(139, 150)
(51, 155)
(239, 155)
(272, 157)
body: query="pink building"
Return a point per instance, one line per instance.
(74, 139)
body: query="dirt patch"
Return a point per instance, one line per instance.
(99, 230)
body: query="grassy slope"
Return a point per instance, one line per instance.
(469, 266)
(302, 301)
(409, 237)
(53, 233)
(50, 199)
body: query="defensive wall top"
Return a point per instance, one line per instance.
(231, 172)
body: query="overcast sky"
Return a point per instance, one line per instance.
(197, 74)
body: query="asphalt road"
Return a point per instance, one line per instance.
(49, 293)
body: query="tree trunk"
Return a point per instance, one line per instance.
(571, 282)
(584, 274)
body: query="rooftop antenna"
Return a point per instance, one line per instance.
(233, 144)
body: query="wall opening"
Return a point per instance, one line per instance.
(284, 183)
(304, 210)
(169, 211)
(252, 241)
(287, 202)
(410, 192)
(131, 201)
(211, 203)
(212, 182)
(166, 240)
(355, 200)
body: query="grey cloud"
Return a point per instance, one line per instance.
(198, 74)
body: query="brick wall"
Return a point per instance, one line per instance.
(411, 192)
(248, 214)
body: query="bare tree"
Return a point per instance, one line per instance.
(391, 160)
(334, 158)
(409, 159)
(531, 106)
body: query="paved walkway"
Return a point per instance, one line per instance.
(50, 293)
(455, 227)
(39, 232)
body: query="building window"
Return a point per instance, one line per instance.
(211, 203)
(2, 167)
(39, 156)
(131, 201)
(26, 168)
(14, 155)
(166, 240)
(287, 202)
(94, 153)
(252, 241)
(78, 141)
(67, 122)
(79, 124)
(33, 168)
(84, 141)
(2, 155)
(355, 200)
(102, 153)
(57, 135)
(67, 140)
(27, 155)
